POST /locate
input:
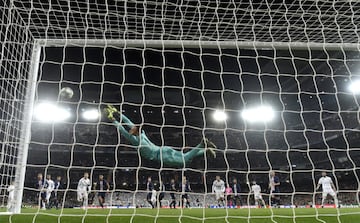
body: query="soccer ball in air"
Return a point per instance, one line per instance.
(66, 93)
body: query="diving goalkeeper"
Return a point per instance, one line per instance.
(149, 150)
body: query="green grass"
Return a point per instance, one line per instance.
(346, 215)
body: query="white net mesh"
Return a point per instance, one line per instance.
(15, 53)
(184, 72)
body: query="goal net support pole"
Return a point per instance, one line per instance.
(26, 128)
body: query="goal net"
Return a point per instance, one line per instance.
(165, 97)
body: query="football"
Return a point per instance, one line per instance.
(66, 93)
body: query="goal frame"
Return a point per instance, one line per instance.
(25, 135)
(211, 44)
(39, 44)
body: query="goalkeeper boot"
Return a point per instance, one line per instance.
(210, 147)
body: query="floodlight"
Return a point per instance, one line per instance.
(219, 116)
(92, 114)
(258, 114)
(47, 112)
(354, 87)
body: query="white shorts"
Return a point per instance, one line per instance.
(219, 195)
(328, 191)
(81, 195)
(48, 195)
(258, 197)
(153, 196)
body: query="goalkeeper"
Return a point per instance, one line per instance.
(149, 150)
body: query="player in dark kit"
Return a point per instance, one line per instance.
(161, 194)
(101, 186)
(172, 193)
(236, 189)
(57, 194)
(41, 195)
(274, 185)
(185, 189)
(149, 189)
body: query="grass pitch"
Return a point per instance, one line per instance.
(310, 215)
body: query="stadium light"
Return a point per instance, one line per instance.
(219, 116)
(354, 87)
(92, 114)
(47, 112)
(258, 114)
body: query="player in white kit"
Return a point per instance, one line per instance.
(218, 188)
(328, 187)
(11, 198)
(256, 189)
(49, 188)
(83, 190)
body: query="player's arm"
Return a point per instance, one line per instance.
(89, 187)
(79, 184)
(107, 186)
(213, 187)
(44, 187)
(276, 181)
(318, 185)
(332, 185)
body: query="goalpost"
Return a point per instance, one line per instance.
(304, 80)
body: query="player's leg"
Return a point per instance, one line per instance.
(188, 205)
(239, 199)
(100, 200)
(79, 196)
(324, 195)
(148, 199)
(182, 201)
(185, 201)
(234, 201)
(262, 201)
(199, 150)
(56, 199)
(272, 198)
(206, 146)
(10, 203)
(47, 199)
(51, 200)
(228, 200)
(173, 200)
(219, 198)
(223, 199)
(43, 200)
(336, 201)
(85, 199)
(277, 199)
